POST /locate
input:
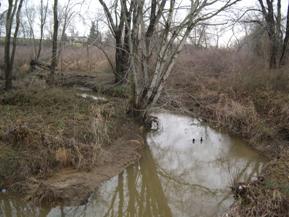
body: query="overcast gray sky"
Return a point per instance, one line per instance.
(92, 10)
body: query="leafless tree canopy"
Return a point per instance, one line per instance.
(156, 36)
(276, 26)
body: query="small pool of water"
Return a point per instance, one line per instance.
(180, 175)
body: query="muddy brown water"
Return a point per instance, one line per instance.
(175, 178)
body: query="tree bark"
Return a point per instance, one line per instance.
(273, 53)
(42, 23)
(169, 39)
(121, 60)
(8, 56)
(9, 20)
(272, 35)
(286, 40)
(274, 31)
(54, 43)
(120, 30)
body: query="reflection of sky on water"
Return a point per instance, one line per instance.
(201, 167)
(175, 177)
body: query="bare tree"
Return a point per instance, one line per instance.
(67, 15)
(273, 20)
(54, 42)
(43, 17)
(155, 44)
(119, 27)
(14, 9)
(286, 39)
(2, 21)
(30, 13)
(199, 36)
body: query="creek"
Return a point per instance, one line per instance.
(186, 170)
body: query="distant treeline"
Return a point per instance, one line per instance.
(77, 42)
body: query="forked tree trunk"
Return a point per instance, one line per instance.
(152, 58)
(13, 8)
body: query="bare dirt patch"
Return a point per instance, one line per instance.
(70, 186)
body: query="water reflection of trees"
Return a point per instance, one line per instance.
(149, 187)
(13, 207)
(144, 197)
(143, 190)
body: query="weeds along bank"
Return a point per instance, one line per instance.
(234, 91)
(45, 131)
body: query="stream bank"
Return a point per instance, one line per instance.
(57, 146)
(269, 195)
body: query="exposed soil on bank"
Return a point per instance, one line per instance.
(58, 147)
(73, 187)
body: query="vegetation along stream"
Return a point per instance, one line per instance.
(186, 170)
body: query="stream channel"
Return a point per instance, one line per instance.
(186, 170)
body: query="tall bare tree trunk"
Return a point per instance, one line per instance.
(43, 16)
(13, 8)
(54, 42)
(120, 29)
(121, 59)
(9, 21)
(272, 36)
(286, 40)
(273, 53)
(274, 29)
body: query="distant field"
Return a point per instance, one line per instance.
(76, 58)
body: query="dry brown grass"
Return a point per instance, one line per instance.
(77, 59)
(269, 197)
(235, 91)
(45, 130)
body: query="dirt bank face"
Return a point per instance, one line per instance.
(56, 145)
(73, 187)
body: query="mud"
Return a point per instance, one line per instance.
(73, 187)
